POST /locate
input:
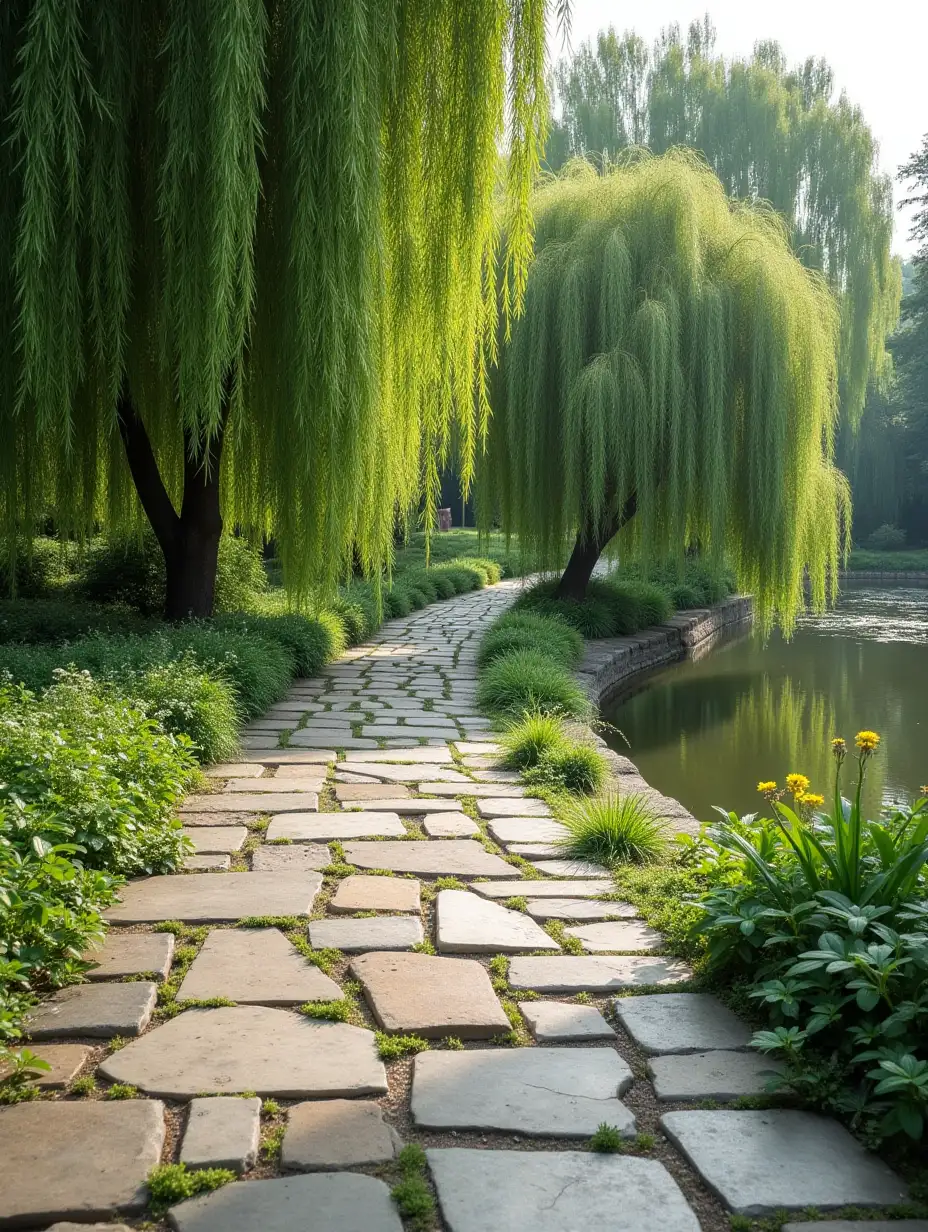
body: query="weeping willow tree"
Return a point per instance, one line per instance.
(672, 382)
(770, 132)
(246, 255)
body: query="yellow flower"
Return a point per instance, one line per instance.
(766, 788)
(796, 783)
(810, 799)
(839, 746)
(867, 741)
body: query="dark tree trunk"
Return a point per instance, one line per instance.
(589, 545)
(189, 540)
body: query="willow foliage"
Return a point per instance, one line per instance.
(269, 221)
(674, 353)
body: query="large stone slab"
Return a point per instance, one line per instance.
(616, 935)
(254, 802)
(453, 857)
(217, 819)
(82, 1160)
(594, 974)
(450, 825)
(511, 806)
(65, 1061)
(542, 889)
(387, 772)
(323, 1202)
(571, 868)
(360, 893)
(290, 857)
(477, 790)
(323, 827)
(556, 1191)
(201, 898)
(354, 792)
(250, 1048)
(222, 1133)
(412, 806)
(234, 769)
(719, 1075)
(123, 954)
(477, 747)
(682, 1022)
(290, 756)
(381, 932)
(98, 1010)
(780, 1160)
(541, 1092)
(430, 996)
(526, 830)
(577, 909)
(207, 864)
(328, 1135)
(216, 840)
(557, 1022)
(304, 783)
(254, 966)
(415, 754)
(466, 924)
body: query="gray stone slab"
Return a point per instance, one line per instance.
(542, 889)
(718, 1075)
(65, 1061)
(416, 754)
(682, 1022)
(477, 747)
(287, 776)
(472, 788)
(858, 1225)
(216, 840)
(254, 966)
(511, 806)
(322, 827)
(450, 825)
(430, 996)
(760, 1163)
(97, 1010)
(82, 1159)
(360, 893)
(123, 954)
(320, 1202)
(292, 757)
(417, 805)
(290, 857)
(362, 792)
(466, 924)
(533, 851)
(395, 772)
(541, 1092)
(557, 1022)
(379, 730)
(571, 868)
(328, 1135)
(577, 909)
(594, 974)
(234, 769)
(222, 1133)
(218, 819)
(453, 857)
(207, 864)
(205, 899)
(556, 1191)
(485, 775)
(526, 830)
(240, 1048)
(255, 802)
(307, 782)
(381, 932)
(616, 935)
(307, 738)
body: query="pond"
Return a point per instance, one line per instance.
(706, 730)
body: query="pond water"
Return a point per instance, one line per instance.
(706, 730)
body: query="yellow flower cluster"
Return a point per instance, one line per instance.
(810, 799)
(839, 746)
(796, 783)
(867, 741)
(765, 789)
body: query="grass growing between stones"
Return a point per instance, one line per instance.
(342, 1010)
(393, 1047)
(556, 931)
(121, 1090)
(169, 1184)
(411, 1193)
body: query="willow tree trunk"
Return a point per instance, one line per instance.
(189, 540)
(589, 545)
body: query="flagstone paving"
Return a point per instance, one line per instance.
(344, 846)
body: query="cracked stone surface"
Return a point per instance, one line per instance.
(577, 909)
(123, 954)
(682, 1022)
(222, 1133)
(322, 827)
(201, 898)
(555, 1022)
(254, 966)
(338, 1202)
(383, 932)
(430, 996)
(594, 974)
(96, 1010)
(466, 924)
(333, 1134)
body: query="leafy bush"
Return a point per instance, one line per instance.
(310, 641)
(529, 739)
(825, 914)
(34, 621)
(612, 830)
(187, 701)
(528, 631)
(40, 565)
(654, 605)
(886, 538)
(526, 680)
(576, 768)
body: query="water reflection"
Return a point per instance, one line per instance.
(706, 731)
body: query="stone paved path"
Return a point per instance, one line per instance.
(368, 877)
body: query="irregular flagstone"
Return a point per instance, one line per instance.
(222, 1133)
(417, 805)
(218, 819)
(711, 1075)
(65, 1061)
(479, 790)
(307, 738)
(254, 966)
(98, 1010)
(526, 830)
(370, 791)
(542, 1092)
(509, 806)
(336, 1133)
(216, 840)
(594, 974)
(450, 825)
(682, 1022)
(360, 893)
(556, 1191)
(468, 924)
(390, 772)
(537, 851)
(250, 1048)
(430, 996)
(484, 775)
(292, 757)
(616, 935)
(571, 868)
(477, 747)
(383, 932)
(305, 783)
(415, 754)
(541, 888)
(82, 1160)
(577, 909)
(234, 769)
(331, 1202)
(760, 1163)
(123, 954)
(204, 899)
(317, 827)
(256, 802)
(553, 1022)
(460, 857)
(207, 864)
(290, 857)
(298, 771)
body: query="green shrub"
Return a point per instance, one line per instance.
(530, 631)
(35, 621)
(612, 830)
(685, 597)
(529, 739)
(527, 681)
(41, 564)
(576, 768)
(187, 701)
(654, 606)
(464, 579)
(443, 584)
(911, 561)
(396, 603)
(357, 611)
(310, 641)
(886, 538)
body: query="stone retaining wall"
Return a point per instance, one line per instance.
(878, 575)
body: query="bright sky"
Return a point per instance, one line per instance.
(877, 53)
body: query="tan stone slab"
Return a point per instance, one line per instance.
(616, 935)
(360, 893)
(526, 830)
(290, 857)
(291, 757)
(371, 933)
(218, 819)
(287, 774)
(471, 788)
(595, 974)
(264, 786)
(370, 791)
(453, 857)
(450, 825)
(254, 802)
(207, 863)
(65, 1061)
(430, 996)
(234, 770)
(325, 827)
(581, 869)
(541, 888)
(97, 1010)
(123, 954)
(415, 754)
(254, 966)
(477, 747)
(466, 924)
(328, 1135)
(388, 772)
(216, 840)
(202, 898)
(81, 1159)
(415, 806)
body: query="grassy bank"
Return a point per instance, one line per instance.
(868, 560)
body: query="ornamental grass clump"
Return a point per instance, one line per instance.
(530, 738)
(525, 630)
(576, 768)
(528, 680)
(612, 830)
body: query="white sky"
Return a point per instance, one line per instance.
(877, 51)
